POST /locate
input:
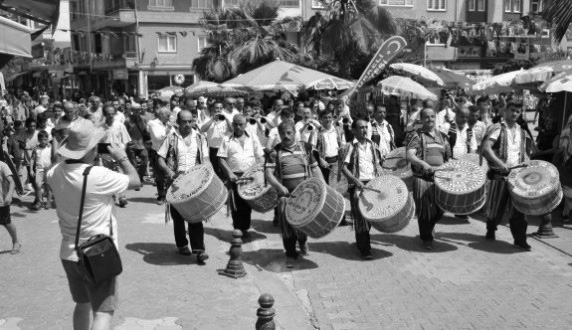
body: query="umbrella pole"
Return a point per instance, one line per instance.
(564, 110)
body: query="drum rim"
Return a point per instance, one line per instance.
(315, 210)
(533, 164)
(391, 176)
(169, 196)
(439, 182)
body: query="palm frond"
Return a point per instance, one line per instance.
(365, 35)
(382, 20)
(335, 38)
(559, 14)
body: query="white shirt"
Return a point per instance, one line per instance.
(253, 130)
(116, 133)
(513, 150)
(216, 133)
(366, 166)
(274, 138)
(385, 137)
(241, 157)
(119, 117)
(187, 150)
(43, 157)
(230, 115)
(158, 131)
(274, 118)
(331, 146)
(66, 181)
(304, 134)
(460, 147)
(441, 120)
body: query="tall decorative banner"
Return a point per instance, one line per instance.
(387, 51)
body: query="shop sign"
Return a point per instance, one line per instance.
(120, 74)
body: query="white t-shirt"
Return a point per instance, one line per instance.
(366, 166)
(66, 181)
(460, 147)
(513, 150)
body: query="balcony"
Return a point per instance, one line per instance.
(112, 6)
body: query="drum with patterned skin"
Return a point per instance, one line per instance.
(197, 194)
(315, 208)
(387, 204)
(460, 187)
(535, 189)
(254, 189)
(396, 163)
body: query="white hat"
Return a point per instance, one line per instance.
(82, 137)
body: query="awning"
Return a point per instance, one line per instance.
(15, 40)
(16, 75)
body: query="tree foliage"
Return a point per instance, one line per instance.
(559, 14)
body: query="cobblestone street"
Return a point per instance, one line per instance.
(466, 282)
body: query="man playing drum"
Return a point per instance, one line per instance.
(362, 163)
(238, 153)
(427, 149)
(182, 149)
(288, 165)
(505, 146)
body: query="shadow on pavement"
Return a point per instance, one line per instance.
(149, 200)
(409, 243)
(161, 254)
(346, 250)
(264, 226)
(273, 260)
(478, 242)
(5, 252)
(17, 215)
(226, 235)
(452, 220)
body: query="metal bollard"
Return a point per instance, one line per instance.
(265, 313)
(545, 229)
(235, 268)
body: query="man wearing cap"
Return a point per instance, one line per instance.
(182, 149)
(95, 304)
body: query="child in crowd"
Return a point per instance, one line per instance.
(41, 163)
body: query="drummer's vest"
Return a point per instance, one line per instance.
(173, 151)
(353, 165)
(422, 153)
(500, 147)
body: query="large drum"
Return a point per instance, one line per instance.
(396, 163)
(390, 208)
(315, 208)
(535, 189)
(254, 189)
(460, 187)
(340, 185)
(197, 194)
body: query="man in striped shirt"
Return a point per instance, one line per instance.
(288, 165)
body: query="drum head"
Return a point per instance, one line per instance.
(538, 179)
(191, 183)
(253, 184)
(396, 163)
(307, 202)
(460, 177)
(386, 204)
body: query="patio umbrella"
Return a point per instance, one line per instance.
(560, 83)
(212, 89)
(280, 76)
(452, 79)
(166, 93)
(418, 72)
(405, 87)
(501, 83)
(531, 78)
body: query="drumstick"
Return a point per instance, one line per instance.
(372, 189)
(444, 169)
(517, 166)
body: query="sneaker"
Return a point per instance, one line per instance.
(185, 251)
(490, 235)
(122, 202)
(428, 245)
(160, 201)
(367, 256)
(290, 262)
(201, 257)
(523, 245)
(16, 248)
(36, 206)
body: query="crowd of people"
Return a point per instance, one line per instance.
(50, 143)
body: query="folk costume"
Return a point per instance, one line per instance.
(434, 149)
(328, 144)
(363, 160)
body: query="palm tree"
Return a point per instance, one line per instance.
(559, 14)
(241, 39)
(354, 27)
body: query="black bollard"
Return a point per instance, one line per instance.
(235, 268)
(265, 313)
(545, 229)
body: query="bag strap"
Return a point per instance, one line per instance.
(85, 174)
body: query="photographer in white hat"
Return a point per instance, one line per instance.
(80, 149)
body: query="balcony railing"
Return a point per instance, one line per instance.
(112, 6)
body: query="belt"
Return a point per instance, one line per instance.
(330, 160)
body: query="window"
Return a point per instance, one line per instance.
(536, 6)
(202, 43)
(232, 3)
(512, 6)
(440, 5)
(507, 6)
(396, 3)
(516, 4)
(161, 3)
(168, 44)
(203, 4)
(472, 5)
(317, 4)
(290, 3)
(481, 5)
(129, 44)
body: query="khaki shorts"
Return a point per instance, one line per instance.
(103, 296)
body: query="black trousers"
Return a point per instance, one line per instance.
(143, 157)
(241, 212)
(159, 175)
(216, 164)
(196, 232)
(361, 226)
(499, 201)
